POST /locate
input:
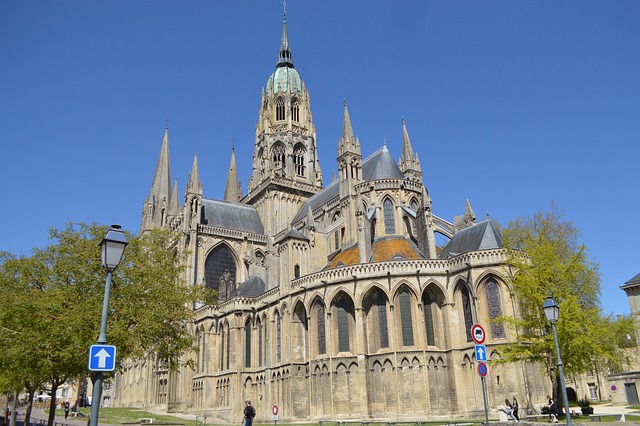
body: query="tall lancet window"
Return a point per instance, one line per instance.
(278, 338)
(389, 219)
(414, 207)
(298, 159)
(495, 309)
(322, 346)
(466, 311)
(295, 110)
(279, 109)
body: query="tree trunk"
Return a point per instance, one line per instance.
(14, 409)
(52, 406)
(27, 414)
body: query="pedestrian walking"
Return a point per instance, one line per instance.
(553, 413)
(509, 408)
(66, 409)
(515, 407)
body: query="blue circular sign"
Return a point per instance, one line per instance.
(482, 369)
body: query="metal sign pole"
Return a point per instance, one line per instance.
(484, 396)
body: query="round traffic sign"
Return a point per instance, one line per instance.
(477, 334)
(482, 369)
(274, 410)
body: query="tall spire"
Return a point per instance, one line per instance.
(161, 186)
(156, 207)
(347, 130)
(193, 184)
(409, 163)
(232, 192)
(174, 204)
(407, 151)
(285, 58)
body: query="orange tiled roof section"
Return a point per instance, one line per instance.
(387, 248)
(347, 257)
(383, 250)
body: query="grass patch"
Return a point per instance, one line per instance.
(118, 416)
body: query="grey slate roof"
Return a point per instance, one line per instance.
(294, 233)
(228, 215)
(380, 165)
(252, 287)
(635, 281)
(481, 236)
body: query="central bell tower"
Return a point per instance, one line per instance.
(286, 170)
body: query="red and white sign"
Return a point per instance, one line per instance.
(274, 410)
(482, 369)
(477, 334)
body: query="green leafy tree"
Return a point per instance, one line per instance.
(547, 259)
(53, 301)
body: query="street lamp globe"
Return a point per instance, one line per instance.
(551, 310)
(113, 245)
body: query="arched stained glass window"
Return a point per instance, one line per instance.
(223, 337)
(220, 272)
(427, 303)
(495, 308)
(405, 318)
(260, 337)
(466, 309)
(389, 219)
(247, 344)
(322, 342)
(381, 307)
(344, 309)
(278, 338)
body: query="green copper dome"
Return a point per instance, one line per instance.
(284, 79)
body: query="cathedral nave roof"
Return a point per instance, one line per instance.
(229, 215)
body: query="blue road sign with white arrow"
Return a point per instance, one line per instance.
(481, 353)
(102, 358)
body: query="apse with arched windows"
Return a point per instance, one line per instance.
(220, 272)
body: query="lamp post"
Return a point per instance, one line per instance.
(112, 246)
(551, 311)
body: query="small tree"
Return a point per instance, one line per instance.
(546, 259)
(53, 302)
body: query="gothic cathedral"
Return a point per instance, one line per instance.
(334, 302)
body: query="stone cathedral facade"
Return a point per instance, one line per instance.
(334, 301)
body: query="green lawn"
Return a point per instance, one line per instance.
(117, 416)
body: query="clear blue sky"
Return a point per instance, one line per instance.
(515, 104)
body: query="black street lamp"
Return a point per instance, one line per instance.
(551, 311)
(112, 246)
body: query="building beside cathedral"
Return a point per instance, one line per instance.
(334, 302)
